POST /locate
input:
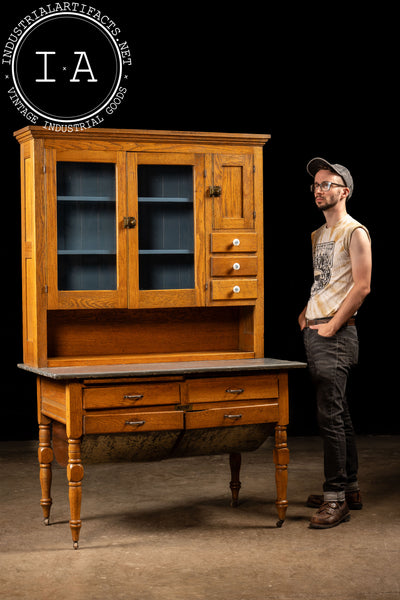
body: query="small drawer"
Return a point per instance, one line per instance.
(227, 266)
(234, 242)
(234, 289)
(132, 421)
(233, 388)
(140, 394)
(232, 416)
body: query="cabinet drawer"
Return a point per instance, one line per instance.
(233, 388)
(234, 289)
(233, 265)
(133, 421)
(140, 394)
(234, 242)
(231, 416)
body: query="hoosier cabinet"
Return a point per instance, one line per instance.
(143, 301)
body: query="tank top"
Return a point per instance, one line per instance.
(333, 278)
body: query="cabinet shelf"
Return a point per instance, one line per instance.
(86, 252)
(167, 357)
(166, 251)
(165, 200)
(85, 199)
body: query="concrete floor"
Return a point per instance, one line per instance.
(165, 530)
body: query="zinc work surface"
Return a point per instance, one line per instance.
(170, 368)
(166, 531)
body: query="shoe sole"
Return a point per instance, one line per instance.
(330, 525)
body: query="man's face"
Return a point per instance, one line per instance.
(326, 200)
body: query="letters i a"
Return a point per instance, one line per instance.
(82, 55)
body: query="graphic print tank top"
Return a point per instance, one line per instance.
(332, 267)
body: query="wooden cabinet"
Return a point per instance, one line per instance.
(121, 221)
(143, 312)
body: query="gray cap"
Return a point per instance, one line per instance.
(316, 164)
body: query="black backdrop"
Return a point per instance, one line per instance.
(321, 82)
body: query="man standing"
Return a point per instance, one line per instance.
(342, 276)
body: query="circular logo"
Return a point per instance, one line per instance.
(67, 67)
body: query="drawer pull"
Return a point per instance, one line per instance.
(236, 266)
(233, 391)
(236, 242)
(236, 289)
(133, 396)
(135, 422)
(232, 416)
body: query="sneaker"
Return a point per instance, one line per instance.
(329, 515)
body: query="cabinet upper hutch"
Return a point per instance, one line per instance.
(141, 246)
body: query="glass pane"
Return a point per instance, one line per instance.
(166, 229)
(86, 226)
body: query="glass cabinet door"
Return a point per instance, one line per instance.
(86, 232)
(87, 199)
(125, 230)
(170, 217)
(166, 227)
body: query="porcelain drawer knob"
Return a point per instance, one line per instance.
(236, 266)
(236, 289)
(236, 242)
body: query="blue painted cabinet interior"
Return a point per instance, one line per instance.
(166, 239)
(86, 225)
(86, 221)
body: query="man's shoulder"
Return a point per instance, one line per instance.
(318, 231)
(350, 224)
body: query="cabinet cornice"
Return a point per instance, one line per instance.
(144, 135)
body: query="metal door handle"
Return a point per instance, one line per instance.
(238, 391)
(135, 422)
(129, 222)
(214, 191)
(232, 416)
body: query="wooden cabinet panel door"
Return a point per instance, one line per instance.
(234, 207)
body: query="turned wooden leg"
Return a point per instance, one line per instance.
(281, 460)
(45, 456)
(75, 476)
(235, 461)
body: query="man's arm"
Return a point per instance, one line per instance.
(361, 265)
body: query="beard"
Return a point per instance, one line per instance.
(325, 204)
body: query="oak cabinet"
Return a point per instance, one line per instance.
(120, 224)
(143, 312)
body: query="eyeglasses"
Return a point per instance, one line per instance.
(325, 186)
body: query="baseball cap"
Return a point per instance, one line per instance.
(316, 164)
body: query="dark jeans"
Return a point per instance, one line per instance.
(330, 361)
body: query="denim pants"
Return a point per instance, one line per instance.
(330, 360)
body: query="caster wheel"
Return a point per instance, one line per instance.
(76, 545)
(46, 521)
(280, 523)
